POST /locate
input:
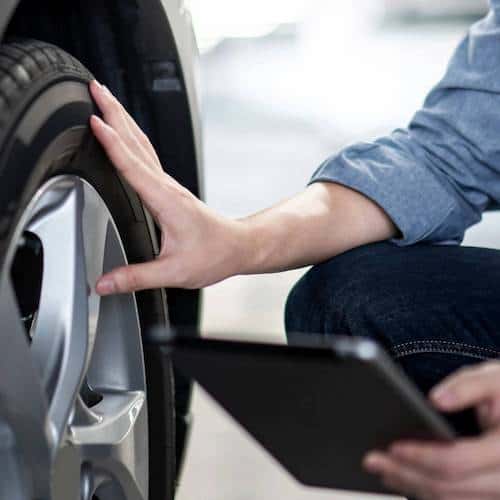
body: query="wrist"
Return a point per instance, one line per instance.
(248, 249)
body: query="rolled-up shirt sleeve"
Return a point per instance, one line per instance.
(436, 177)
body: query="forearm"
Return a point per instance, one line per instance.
(323, 221)
(200, 247)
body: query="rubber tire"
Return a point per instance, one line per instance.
(44, 111)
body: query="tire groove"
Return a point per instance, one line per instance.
(44, 57)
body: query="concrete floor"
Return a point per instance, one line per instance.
(274, 109)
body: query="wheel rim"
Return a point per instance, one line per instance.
(86, 350)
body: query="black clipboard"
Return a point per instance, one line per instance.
(317, 408)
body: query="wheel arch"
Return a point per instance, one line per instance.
(144, 50)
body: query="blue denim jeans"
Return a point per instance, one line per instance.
(434, 308)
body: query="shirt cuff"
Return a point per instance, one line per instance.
(411, 195)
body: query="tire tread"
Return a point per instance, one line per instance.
(23, 61)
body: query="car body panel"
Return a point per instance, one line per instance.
(180, 21)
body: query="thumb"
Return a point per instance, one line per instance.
(133, 278)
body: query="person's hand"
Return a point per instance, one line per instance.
(198, 246)
(468, 468)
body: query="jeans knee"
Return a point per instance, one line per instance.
(300, 301)
(344, 296)
(312, 301)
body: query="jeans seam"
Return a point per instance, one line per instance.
(443, 347)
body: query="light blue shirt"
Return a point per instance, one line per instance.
(436, 177)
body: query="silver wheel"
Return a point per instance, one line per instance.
(85, 351)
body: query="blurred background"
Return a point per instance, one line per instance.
(285, 84)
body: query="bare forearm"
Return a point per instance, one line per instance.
(323, 221)
(200, 247)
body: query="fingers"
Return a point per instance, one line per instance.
(468, 387)
(162, 272)
(117, 117)
(145, 181)
(411, 481)
(402, 479)
(133, 278)
(455, 461)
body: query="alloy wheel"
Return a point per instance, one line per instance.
(85, 350)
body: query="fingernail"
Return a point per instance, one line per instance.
(96, 82)
(107, 91)
(102, 124)
(105, 286)
(442, 396)
(371, 461)
(97, 120)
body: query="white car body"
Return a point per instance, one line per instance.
(181, 24)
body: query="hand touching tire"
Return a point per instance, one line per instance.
(199, 247)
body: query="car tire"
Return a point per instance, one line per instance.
(44, 112)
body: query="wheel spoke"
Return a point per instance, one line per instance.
(60, 342)
(117, 359)
(95, 225)
(116, 363)
(116, 445)
(23, 410)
